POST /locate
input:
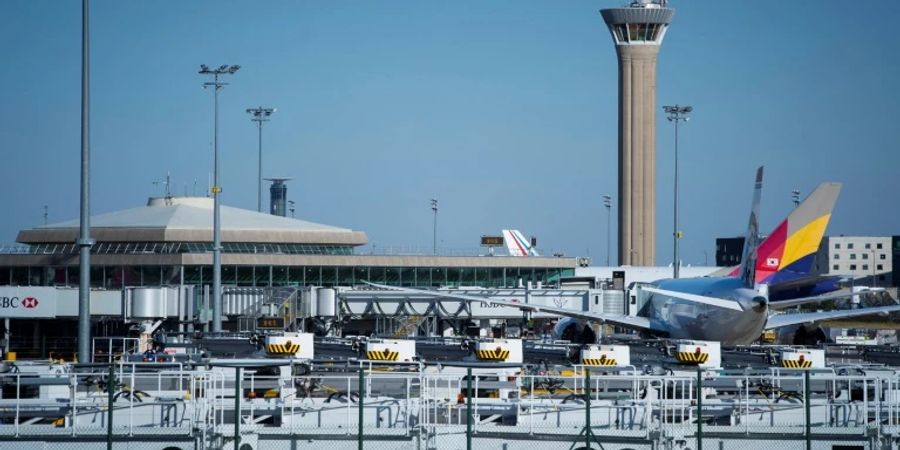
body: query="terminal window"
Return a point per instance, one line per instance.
(835, 267)
(868, 246)
(865, 267)
(837, 245)
(880, 267)
(852, 266)
(850, 246)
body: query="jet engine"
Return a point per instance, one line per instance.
(807, 334)
(574, 330)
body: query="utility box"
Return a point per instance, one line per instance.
(399, 350)
(290, 345)
(606, 355)
(703, 354)
(803, 359)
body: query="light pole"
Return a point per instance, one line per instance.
(795, 197)
(260, 115)
(216, 189)
(607, 202)
(84, 239)
(676, 114)
(434, 207)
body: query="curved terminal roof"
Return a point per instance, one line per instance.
(189, 219)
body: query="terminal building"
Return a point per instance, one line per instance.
(168, 242)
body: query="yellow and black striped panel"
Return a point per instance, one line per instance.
(497, 354)
(288, 348)
(796, 363)
(692, 357)
(386, 355)
(602, 361)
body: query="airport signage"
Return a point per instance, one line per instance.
(270, 323)
(492, 241)
(27, 302)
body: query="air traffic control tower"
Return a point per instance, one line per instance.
(637, 31)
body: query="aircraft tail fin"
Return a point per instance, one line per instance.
(789, 251)
(751, 240)
(517, 244)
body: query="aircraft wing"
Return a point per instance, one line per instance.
(634, 323)
(785, 320)
(784, 304)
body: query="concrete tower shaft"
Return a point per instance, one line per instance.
(637, 32)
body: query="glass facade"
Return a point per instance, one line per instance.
(115, 277)
(127, 248)
(637, 32)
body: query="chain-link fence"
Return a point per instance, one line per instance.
(147, 406)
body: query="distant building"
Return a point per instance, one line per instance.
(895, 261)
(729, 251)
(870, 259)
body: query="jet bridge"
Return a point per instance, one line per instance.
(369, 302)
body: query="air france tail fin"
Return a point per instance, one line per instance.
(517, 244)
(751, 240)
(789, 251)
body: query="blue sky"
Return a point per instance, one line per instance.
(505, 111)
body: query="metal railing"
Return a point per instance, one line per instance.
(445, 408)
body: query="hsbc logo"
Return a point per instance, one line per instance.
(29, 302)
(15, 302)
(32, 302)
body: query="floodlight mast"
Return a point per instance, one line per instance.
(216, 189)
(260, 115)
(676, 114)
(84, 240)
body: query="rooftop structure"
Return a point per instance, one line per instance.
(188, 219)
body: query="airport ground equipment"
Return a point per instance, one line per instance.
(803, 358)
(606, 355)
(290, 345)
(390, 350)
(703, 354)
(498, 350)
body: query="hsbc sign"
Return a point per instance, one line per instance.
(24, 301)
(15, 302)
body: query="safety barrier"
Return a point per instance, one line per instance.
(447, 408)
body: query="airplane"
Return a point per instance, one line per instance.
(785, 258)
(734, 310)
(517, 244)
